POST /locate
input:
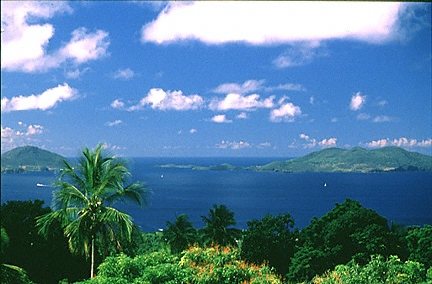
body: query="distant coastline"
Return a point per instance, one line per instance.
(356, 160)
(388, 159)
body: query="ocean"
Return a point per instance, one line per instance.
(401, 197)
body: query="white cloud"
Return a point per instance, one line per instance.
(357, 101)
(11, 138)
(299, 55)
(85, 46)
(363, 116)
(378, 143)
(382, 103)
(124, 74)
(250, 86)
(167, 100)
(400, 142)
(286, 87)
(44, 101)
(331, 142)
(24, 42)
(113, 123)
(220, 118)
(75, 74)
(278, 22)
(312, 100)
(117, 104)
(233, 145)
(264, 145)
(312, 142)
(241, 102)
(242, 115)
(247, 87)
(383, 118)
(286, 112)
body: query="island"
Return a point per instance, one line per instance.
(357, 159)
(30, 159)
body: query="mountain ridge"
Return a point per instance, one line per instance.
(357, 159)
(30, 159)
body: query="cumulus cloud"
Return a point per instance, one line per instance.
(11, 138)
(331, 142)
(124, 74)
(113, 123)
(233, 145)
(400, 142)
(117, 104)
(279, 22)
(166, 100)
(220, 118)
(357, 101)
(24, 43)
(312, 142)
(241, 102)
(286, 112)
(44, 101)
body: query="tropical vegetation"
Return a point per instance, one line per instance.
(82, 229)
(82, 203)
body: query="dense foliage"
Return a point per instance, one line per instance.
(46, 260)
(195, 265)
(378, 270)
(349, 244)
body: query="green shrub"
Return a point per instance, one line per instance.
(378, 270)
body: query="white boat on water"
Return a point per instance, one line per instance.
(40, 184)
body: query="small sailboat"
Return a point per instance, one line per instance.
(325, 184)
(162, 176)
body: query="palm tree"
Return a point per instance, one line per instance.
(217, 225)
(83, 202)
(180, 234)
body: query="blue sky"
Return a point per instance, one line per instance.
(278, 79)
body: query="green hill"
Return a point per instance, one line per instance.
(29, 158)
(355, 160)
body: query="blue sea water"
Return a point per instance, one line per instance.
(402, 197)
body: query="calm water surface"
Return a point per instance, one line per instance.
(401, 197)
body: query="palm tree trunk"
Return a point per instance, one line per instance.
(92, 256)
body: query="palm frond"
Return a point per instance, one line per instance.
(137, 193)
(44, 222)
(123, 221)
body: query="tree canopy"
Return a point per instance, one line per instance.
(83, 202)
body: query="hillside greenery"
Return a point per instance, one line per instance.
(357, 159)
(30, 158)
(348, 244)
